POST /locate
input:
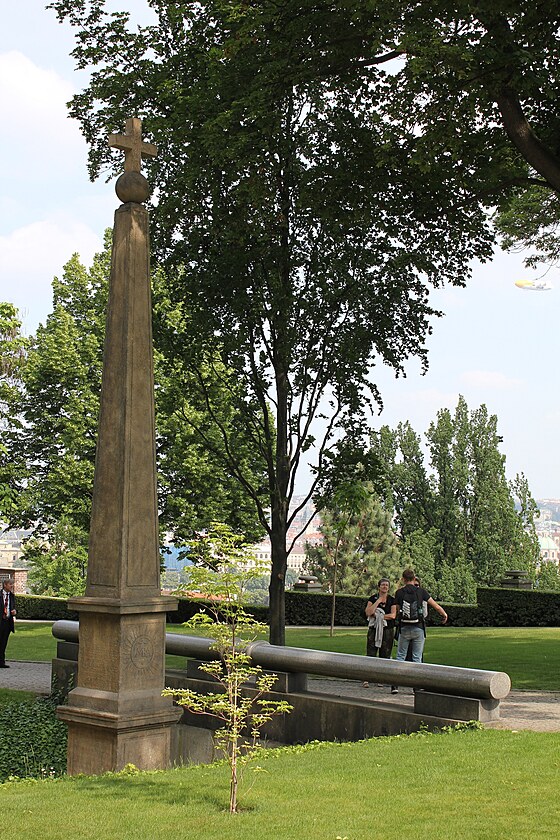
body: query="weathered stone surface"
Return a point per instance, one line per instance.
(458, 708)
(132, 186)
(116, 714)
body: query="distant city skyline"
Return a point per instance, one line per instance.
(497, 344)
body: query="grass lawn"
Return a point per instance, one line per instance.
(469, 785)
(530, 655)
(33, 642)
(10, 695)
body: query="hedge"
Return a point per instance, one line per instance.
(187, 608)
(518, 608)
(41, 608)
(496, 607)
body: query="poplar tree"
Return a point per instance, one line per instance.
(454, 507)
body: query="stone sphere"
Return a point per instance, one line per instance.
(132, 186)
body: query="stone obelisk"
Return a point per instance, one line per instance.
(116, 714)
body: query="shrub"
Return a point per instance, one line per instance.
(32, 739)
(43, 608)
(518, 608)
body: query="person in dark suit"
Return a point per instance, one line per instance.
(8, 609)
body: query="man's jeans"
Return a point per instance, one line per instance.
(414, 636)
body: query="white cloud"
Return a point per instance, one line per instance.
(489, 379)
(38, 138)
(34, 96)
(32, 255)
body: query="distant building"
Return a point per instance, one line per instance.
(11, 545)
(296, 557)
(549, 549)
(19, 577)
(305, 527)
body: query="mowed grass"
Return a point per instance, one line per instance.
(483, 785)
(530, 655)
(32, 642)
(12, 695)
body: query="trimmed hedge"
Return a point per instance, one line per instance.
(314, 608)
(458, 615)
(187, 608)
(518, 608)
(41, 608)
(497, 607)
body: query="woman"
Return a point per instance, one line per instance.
(381, 612)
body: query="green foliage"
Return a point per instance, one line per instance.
(54, 445)
(548, 576)
(51, 431)
(241, 710)
(32, 740)
(298, 217)
(359, 546)
(518, 608)
(314, 608)
(458, 523)
(519, 770)
(13, 348)
(42, 608)
(531, 223)
(58, 567)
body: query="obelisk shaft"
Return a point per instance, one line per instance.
(116, 714)
(124, 548)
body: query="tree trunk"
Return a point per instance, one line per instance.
(277, 602)
(279, 515)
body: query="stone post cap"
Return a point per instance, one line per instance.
(132, 186)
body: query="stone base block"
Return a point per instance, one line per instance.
(193, 745)
(458, 708)
(101, 742)
(64, 676)
(288, 682)
(285, 682)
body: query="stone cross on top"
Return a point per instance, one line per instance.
(132, 144)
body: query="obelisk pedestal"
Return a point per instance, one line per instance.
(116, 714)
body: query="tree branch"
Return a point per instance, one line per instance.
(517, 127)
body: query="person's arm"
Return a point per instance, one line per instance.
(371, 606)
(438, 609)
(392, 614)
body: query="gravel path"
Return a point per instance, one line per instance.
(535, 710)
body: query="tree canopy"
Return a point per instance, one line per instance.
(303, 202)
(454, 508)
(50, 406)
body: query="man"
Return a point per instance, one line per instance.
(412, 629)
(8, 607)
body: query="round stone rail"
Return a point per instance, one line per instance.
(440, 679)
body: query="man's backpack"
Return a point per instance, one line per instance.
(411, 609)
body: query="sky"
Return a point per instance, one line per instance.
(496, 344)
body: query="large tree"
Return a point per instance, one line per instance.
(50, 432)
(297, 214)
(455, 509)
(13, 347)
